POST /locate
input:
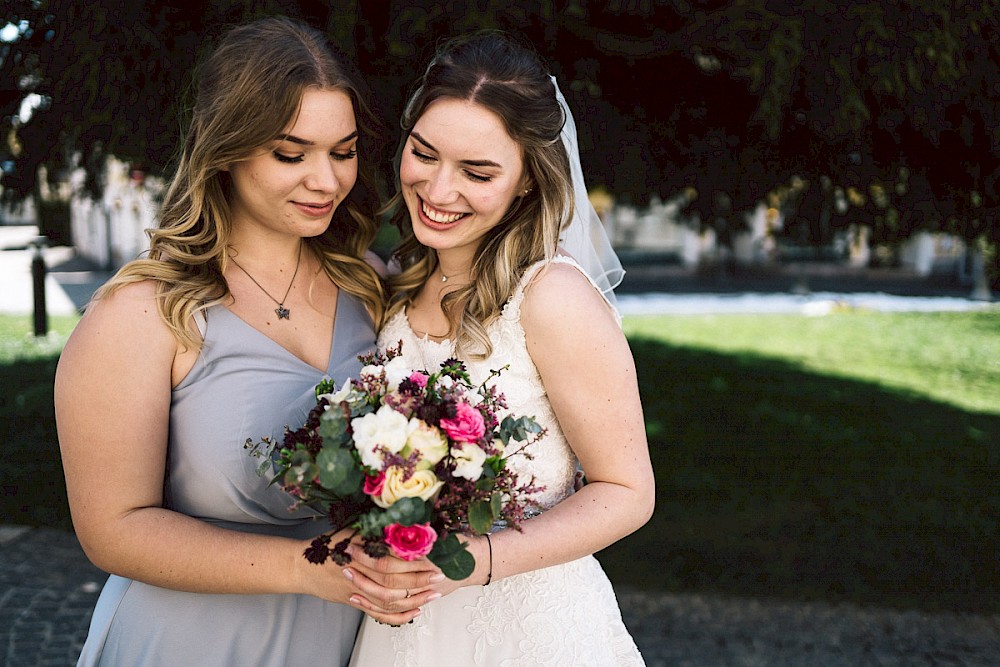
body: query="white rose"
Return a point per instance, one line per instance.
(422, 484)
(374, 370)
(396, 371)
(427, 440)
(469, 459)
(386, 427)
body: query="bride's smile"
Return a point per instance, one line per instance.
(460, 172)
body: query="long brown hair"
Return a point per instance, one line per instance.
(491, 69)
(247, 91)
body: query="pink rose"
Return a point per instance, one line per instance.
(410, 542)
(418, 378)
(467, 426)
(374, 484)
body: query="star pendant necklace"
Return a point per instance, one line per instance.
(283, 313)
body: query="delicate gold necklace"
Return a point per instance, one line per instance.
(283, 313)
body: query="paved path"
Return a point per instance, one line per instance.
(48, 588)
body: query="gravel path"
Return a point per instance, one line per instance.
(48, 588)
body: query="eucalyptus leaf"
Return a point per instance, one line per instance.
(407, 512)
(301, 474)
(452, 556)
(480, 516)
(337, 471)
(333, 427)
(372, 523)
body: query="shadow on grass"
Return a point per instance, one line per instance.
(32, 486)
(772, 481)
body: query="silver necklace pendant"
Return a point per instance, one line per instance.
(283, 313)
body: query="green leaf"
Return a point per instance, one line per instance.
(300, 475)
(338, 471)
(372, 523)
(517, 429)
(480, 516)
(333, 427)
(452, 556)
(407, 511)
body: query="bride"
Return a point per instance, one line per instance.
(496, 235)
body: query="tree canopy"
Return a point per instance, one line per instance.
(890, 106)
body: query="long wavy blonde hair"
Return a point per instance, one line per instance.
(247, 92)
(491, 69)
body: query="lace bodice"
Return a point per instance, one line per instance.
(554, 465)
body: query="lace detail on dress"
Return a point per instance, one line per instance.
(553, 465)
(561, 615)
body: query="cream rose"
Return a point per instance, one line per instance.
(428, 441)
(422, 484)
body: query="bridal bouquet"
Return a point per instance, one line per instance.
(409, 459)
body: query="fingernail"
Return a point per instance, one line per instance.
(356, 601)
(349, 575)
(433, 596)
(437, 578)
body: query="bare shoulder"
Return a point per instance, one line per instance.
(128, 301)
(128, 314)
(561, 294)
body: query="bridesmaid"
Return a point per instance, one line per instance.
(256, 286)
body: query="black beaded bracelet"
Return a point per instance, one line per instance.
(489, 577)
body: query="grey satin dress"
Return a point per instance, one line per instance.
(244, 385)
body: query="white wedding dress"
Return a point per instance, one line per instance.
(565, 615)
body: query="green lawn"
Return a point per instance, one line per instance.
(853, 456)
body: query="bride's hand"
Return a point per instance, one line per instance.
(437, 585)
(389, 586)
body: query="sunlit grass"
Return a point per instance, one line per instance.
(951, 357)
(17, 339)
